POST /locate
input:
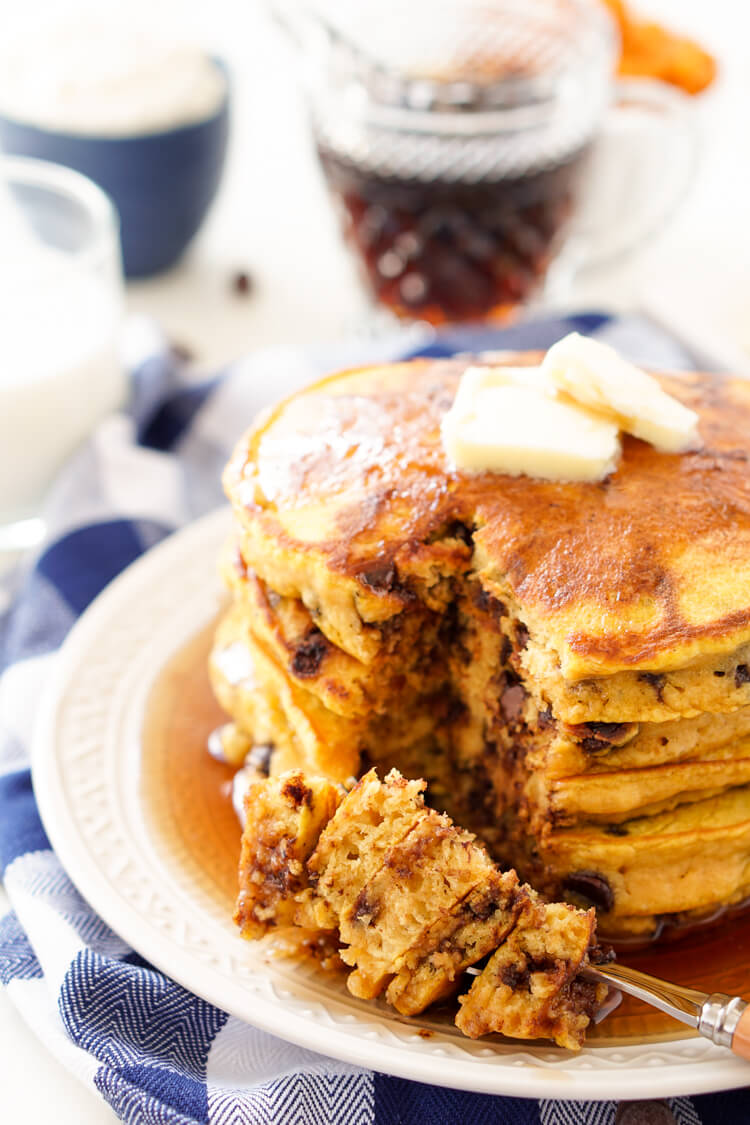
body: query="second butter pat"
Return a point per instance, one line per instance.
(594, 375)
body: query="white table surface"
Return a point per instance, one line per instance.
(272, 220)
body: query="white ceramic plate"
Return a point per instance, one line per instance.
(86, 777)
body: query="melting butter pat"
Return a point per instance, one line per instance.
(503, 421)
(594, 375)
(478, 379)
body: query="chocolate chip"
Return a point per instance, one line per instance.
(483, 908)
(364, 910)
(593, 745)
(601, 955)
(455, 710)
(380, 576)
(514, 977)
(297, 792)
(260, 758)
(582, 995)
(545, 719)
(607, 732)
(720, 674)
(181, 352)
(459, 530)
(242, 283)
(741, 675)
(277, 874)
(491, 751)
(309, 655)
(656, 680)
(597, 738)
(522, 637)
(486, 601)
(602, 736)
(592, 887)
(511, 702)
(543, 964)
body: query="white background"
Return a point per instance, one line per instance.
(272, 219)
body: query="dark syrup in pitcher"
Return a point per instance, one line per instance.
(446, 250)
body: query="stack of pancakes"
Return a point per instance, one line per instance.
(568, 664)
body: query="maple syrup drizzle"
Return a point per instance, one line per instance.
(188, 800)
(187, 792)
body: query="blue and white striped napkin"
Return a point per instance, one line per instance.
(155, 1052)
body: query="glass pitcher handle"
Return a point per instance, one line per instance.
(638, 172)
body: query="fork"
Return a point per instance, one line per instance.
(725, 1020)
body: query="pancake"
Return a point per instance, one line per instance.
(286, 629)
(269, 709)
(717, 683)
(567, 665)
(345, 499)
(287, 821)
(691, 859)
(273, 711)
(531, 986)
(603, 747)
(413, 900)
(616, 795)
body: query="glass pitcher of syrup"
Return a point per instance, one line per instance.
(461, 141)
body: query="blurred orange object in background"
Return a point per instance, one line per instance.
(650, 51)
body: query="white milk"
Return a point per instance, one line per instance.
(59, 368)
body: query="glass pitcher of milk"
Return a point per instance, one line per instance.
(61, 299)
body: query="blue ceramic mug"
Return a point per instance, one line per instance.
(162, 183)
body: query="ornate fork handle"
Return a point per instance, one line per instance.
(725, 1020)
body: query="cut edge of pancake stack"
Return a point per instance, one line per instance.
(410, 646)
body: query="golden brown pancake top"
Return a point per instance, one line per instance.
(649, 568)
